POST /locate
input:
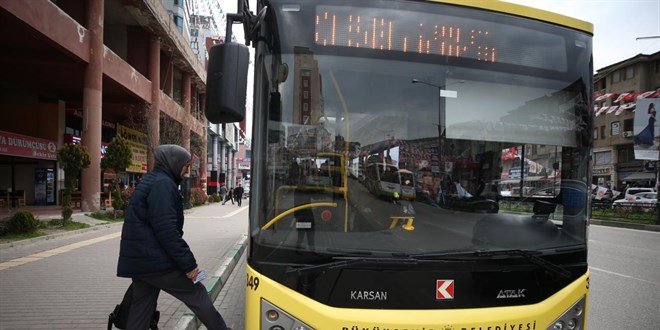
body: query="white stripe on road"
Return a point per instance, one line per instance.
(241, 209)
(54, 252)
(619, 274)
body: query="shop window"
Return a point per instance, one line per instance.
(630, 72)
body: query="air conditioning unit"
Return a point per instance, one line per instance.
(627, 134)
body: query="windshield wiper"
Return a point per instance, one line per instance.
(546, 265)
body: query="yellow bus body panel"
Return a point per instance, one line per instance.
(320, 316)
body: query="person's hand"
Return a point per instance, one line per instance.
(192, 274)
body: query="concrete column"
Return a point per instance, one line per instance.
(214, 161)
(228, 165)
(203, 175)
(233, 167)
(187, 120)
(186, 185)
(153, 113)
(92, 103)
(205, 138)
(61, 128)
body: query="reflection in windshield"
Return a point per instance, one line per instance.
(493, 166)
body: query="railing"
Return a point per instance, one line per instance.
(638, 212)
(603, 210)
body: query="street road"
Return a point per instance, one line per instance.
(625, 278)
(70, 283)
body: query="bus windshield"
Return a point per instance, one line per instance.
(400, 146)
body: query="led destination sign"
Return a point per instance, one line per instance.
(390, 30)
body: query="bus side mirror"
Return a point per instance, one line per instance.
(226, 83)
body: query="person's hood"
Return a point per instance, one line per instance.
(171, 158)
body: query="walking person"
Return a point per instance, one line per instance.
(229, 197)
(223, 193)
(238, 194)
(153, 252)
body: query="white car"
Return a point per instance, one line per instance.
(646, 200)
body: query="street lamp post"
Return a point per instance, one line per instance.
(441, 112)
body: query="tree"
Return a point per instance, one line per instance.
(73, 158)
(118, 156)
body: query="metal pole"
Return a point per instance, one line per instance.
(441, 128)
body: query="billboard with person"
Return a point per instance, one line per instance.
(647, 129)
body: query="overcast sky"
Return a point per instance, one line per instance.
(617, 23)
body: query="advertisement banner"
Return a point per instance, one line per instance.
(138, 142)
(647, 129)
(26, 146)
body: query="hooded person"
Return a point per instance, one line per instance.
(152, 250)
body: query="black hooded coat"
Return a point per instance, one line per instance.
(152, 235)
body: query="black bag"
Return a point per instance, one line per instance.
(119, 316)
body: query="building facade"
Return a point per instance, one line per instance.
(618, 88)
(85, 71)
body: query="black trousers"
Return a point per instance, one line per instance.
(194, 295)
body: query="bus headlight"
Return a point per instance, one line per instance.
(274, 318)
(571, 319)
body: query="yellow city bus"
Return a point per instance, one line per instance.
(455, 83)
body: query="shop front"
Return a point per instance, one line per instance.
(602, 176)
(28, 167)
(138, 167)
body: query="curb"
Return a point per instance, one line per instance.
(620, 224)
(215, 284)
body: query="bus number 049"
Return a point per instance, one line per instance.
(253, 282)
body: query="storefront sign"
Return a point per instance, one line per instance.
(26, 146)
(601, 171)
(138, 142)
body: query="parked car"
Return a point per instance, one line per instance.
(644, 200)
(635, 190)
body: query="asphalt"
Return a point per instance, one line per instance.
(226, 286)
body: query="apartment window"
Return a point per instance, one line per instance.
(616, 128)
(602, 132)
(179, 3)
(624, 155)
(630, 72)
(178, 20)
(628, 125)
(616, 76)
(602, 158)
(596, 133)
(657, 66)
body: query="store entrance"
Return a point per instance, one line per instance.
(27, 181)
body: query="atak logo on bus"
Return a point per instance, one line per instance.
(444, 289)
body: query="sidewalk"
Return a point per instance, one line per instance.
(68, 280)
(227, 289)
